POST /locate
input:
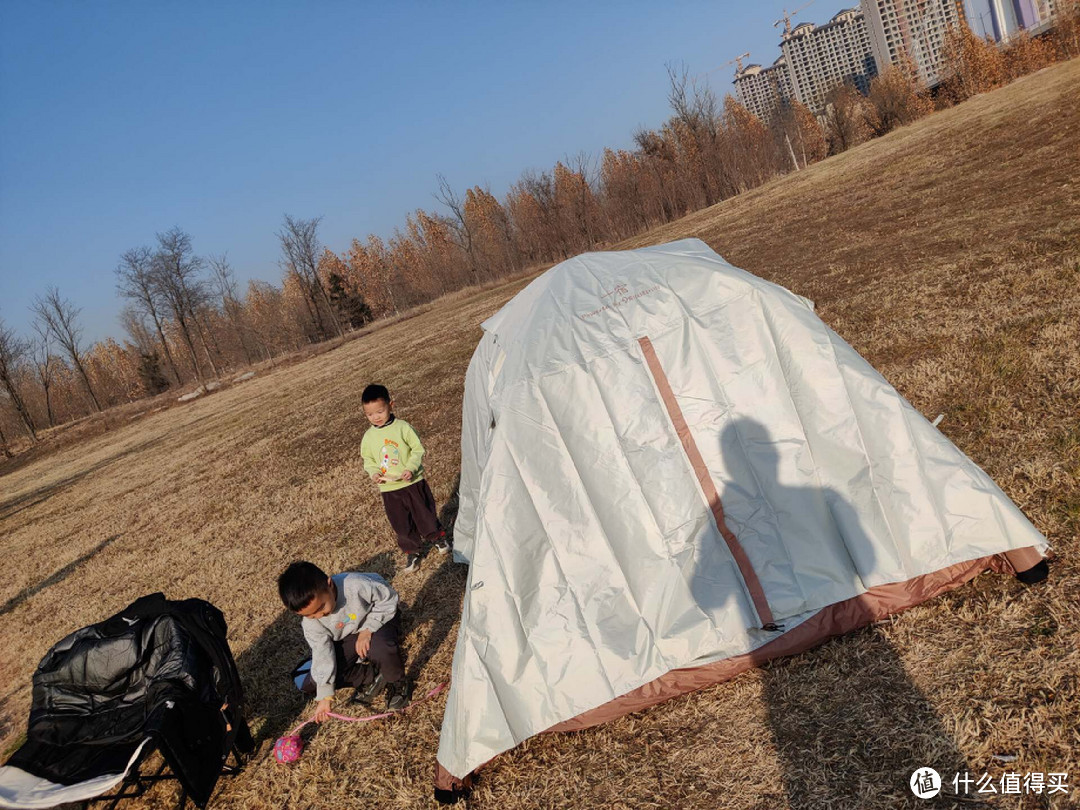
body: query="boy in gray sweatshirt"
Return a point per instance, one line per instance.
(350, 621)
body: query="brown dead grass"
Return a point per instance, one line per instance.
(947, 253)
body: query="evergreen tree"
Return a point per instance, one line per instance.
(350, 306)
(150, 374)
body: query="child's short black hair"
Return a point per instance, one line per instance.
(374, 393)
(299, 583)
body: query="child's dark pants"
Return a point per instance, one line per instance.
(384, 652)
(412, 515)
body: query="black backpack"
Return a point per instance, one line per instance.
(159, 670)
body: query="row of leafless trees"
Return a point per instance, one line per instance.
(706, 152)
(49, 360)
(187, 320)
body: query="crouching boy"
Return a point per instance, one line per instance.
(351, 623)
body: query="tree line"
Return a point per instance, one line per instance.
(186, 319)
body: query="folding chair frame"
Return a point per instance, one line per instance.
(136, 783)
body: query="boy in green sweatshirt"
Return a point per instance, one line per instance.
(393, 457)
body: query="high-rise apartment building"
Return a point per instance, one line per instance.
(819, 57)
(1003, 19)
(763, 90)
(914, 27)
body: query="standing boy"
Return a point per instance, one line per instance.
(351, 622)
(393, 458)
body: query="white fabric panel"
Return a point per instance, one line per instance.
(595, 563)
(476, 430)
(19, 789)
(944, 507)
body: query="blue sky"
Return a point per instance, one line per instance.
(122, 119)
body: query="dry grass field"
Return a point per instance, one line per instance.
(947, 253)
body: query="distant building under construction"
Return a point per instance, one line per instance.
(1003, 19)
(814, 59)
(820, 57)
(917, 28)
(860, 43)
(763, 90)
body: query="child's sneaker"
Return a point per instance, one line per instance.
(398, 694)
(412, 562)
(367, 694)
(441, 544)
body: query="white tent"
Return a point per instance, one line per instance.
(671, 470)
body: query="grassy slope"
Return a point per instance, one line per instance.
(947, 253)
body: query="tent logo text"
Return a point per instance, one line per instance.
(619, 296)
(620, 289)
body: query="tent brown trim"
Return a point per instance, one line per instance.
(834, 620)
(701, 472)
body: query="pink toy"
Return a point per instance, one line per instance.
(288, 749)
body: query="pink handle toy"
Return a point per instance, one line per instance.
(289, 748)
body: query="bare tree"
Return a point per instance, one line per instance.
(175, 273)
(799, 131)
(198, 302)
(135, 280)
(698, 115)
(60, 317)
(12, 351)
(586, 210)
(897, 97)
(133, 320)
(458, 221)
(846, 118)
(544, 227)
(301, 250)
(45, 365)
(4, 443)
(259, 303)
(658, 156)
(225, 285)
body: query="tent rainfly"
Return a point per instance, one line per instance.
(673, 471)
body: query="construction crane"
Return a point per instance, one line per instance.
(737, 61)
(785, 18)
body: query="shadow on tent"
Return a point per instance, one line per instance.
(849, 725)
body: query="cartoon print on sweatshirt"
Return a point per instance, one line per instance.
(390, 458)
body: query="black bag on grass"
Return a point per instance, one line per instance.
(159, 669)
